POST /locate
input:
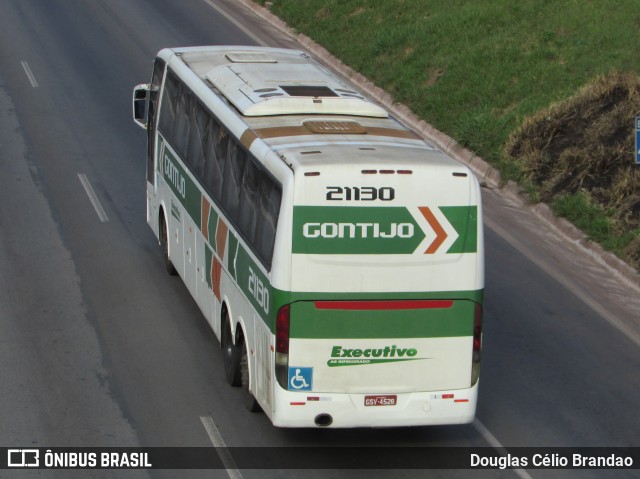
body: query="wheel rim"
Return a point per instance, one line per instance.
(244, 368)
(163, 240)
(228, 351)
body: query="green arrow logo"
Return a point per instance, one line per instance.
(379, 230)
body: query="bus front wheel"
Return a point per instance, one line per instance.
(164, 243)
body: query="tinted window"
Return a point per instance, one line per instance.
(181, 123)
(154, 93)
(237, 183)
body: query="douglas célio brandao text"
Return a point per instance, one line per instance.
(551, 460)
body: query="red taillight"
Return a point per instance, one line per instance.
(282, 330)
(477, 328)
(282, 345)
(477, 344)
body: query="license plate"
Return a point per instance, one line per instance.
(386, 400)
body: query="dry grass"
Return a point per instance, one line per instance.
(585, 146)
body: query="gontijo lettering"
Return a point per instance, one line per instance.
(172, 173)
(358, 230)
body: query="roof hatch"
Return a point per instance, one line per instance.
(258, 84)
(250, 57)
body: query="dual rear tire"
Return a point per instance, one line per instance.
(236, 357)
(236, 365)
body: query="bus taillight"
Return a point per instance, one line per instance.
(477, 343)
(282, 345)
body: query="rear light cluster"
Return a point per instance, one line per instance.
(282, 345)
(477, 343)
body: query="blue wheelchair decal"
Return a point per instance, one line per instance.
(300, 379)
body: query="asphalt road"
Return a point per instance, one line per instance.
(100, 347)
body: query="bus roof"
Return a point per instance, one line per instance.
(261, 81)
(303, 113)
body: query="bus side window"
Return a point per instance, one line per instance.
(181, 123)
(235, 160)
(198, 120)
(154, 92)
(215, 152)
(268, 211)
(248, 201)
(168, 112)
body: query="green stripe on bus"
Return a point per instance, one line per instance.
(186, 191)
(376, 230)
(309, 322)
(464, 220)
(208, 259)
(212, 227)
(231, 255)
(254, 284)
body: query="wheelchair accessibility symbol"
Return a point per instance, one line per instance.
(300, 379)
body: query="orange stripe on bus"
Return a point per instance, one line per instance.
(216, 274)
(441, 234)
(221, 238)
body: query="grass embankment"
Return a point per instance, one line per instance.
(490, 73)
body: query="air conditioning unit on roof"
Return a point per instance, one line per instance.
(257, 84)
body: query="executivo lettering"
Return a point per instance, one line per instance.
(356, 356)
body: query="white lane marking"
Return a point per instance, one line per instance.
(493, 442)
(93, 198)
(560, 278)
(30, 76)
(244, 29)
(221, 448)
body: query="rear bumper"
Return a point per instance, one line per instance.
(297, 409)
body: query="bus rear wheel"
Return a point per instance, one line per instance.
(231, 355)
(249, 399)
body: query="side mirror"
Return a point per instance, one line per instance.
(140, 94)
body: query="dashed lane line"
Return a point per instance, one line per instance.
(221, 448)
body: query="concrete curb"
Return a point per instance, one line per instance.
(487, 174)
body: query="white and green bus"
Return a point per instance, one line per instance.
(337, 256)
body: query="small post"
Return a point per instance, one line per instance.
(637, 140)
